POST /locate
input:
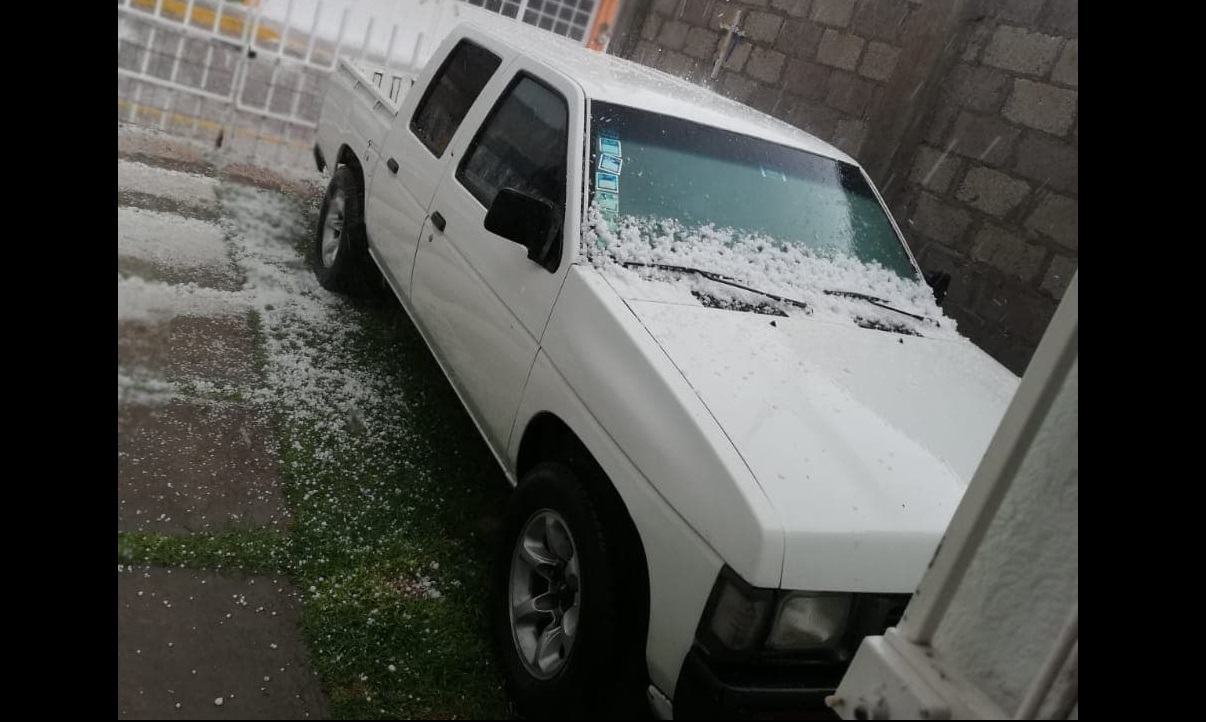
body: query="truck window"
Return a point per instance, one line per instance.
(451, 93)
(522, 145)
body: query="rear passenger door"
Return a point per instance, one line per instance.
(418, 146)
(482, 302)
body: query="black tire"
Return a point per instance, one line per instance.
(595, 681)
(348, 270)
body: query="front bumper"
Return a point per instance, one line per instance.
(759, 691)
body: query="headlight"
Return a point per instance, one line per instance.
(742, 621)
(807, 620)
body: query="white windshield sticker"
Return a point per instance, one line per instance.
(610, 163)
(610, 146)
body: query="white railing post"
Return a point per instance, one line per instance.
(209, 59)
(389, 49)
(239, 80)
(276, 69)
(146, 58)
(313, 32)
(297, 91)
(176, 60)
(165, 113)
(283, 43)
(343, 25)
(368, 34)
(134, 105)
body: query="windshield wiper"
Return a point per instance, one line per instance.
(878, 302)
(713, 276)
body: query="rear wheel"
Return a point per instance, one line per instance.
(341, 260)
(556, 603)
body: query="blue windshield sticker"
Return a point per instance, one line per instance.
(607, 182)
(610, 163)
(609, 145)
(608, 202)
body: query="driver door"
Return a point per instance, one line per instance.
(483, 303)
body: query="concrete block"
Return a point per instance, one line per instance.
(1040, 105)
(841, 50)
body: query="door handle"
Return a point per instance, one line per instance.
(392, 165)
(438, 221)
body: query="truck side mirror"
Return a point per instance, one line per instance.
(940, 281)
(532, 222)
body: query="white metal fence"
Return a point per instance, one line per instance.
(249, 74)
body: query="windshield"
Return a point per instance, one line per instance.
(653, 166)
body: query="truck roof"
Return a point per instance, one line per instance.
(624, 82)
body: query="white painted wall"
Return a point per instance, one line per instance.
(993, 629)
(1024, 581)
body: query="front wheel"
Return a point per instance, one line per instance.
(555, 598)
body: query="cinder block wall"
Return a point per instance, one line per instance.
(992, 193)
(963, 111)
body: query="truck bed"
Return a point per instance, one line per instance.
(361, 102)
(388, 85)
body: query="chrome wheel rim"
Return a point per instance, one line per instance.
(545, 589)
(332, 229)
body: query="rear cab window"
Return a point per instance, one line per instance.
(451, 94)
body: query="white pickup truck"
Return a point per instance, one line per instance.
(737, 420)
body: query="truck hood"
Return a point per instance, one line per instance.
(862, 440)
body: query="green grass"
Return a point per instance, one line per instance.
(256, 323)
(428, 498)
(252, 551)
(422, 506)
(403, 501)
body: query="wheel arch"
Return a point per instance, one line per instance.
(547, 437)
(348, 157)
